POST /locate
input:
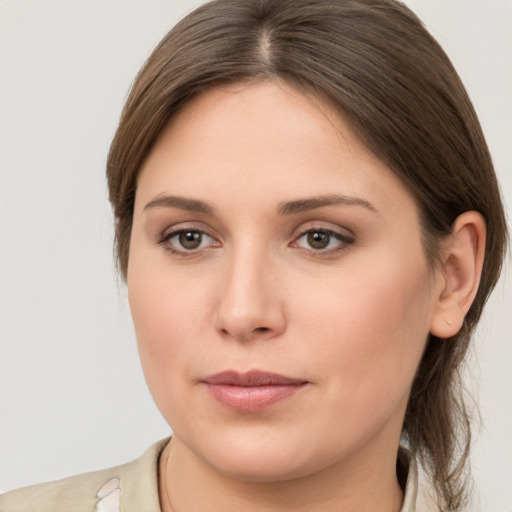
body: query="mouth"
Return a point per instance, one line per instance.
(252, 391)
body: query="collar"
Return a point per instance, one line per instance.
(136, 485)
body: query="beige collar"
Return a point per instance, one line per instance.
(136, 487)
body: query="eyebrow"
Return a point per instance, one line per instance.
(286, 208)
(310, 203)
(182, 203)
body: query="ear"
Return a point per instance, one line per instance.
(462, 257)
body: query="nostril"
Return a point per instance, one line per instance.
(246, 336)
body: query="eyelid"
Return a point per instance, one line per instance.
(327, 226)
(345, 237)
(171, 231)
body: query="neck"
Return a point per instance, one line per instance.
(189, 484)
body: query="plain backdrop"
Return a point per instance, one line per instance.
(72, 394)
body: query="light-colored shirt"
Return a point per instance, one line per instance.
(133, 487)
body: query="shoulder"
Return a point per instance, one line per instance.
(135, 485)
(418, 494)
(74, 494)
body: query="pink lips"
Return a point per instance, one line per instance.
(252, 391)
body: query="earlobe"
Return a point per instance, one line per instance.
(462, 257)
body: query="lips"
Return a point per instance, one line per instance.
(252, 391)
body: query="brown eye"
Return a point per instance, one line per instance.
(190, 239)
(318, 239)
(323, 241)
(187, 242)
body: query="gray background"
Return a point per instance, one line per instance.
(72, 395)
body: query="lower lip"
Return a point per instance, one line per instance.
(252, 398)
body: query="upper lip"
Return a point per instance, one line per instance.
(252, 378)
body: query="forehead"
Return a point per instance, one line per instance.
(263, 140)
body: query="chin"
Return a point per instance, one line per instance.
(259, 458)
(262, 468)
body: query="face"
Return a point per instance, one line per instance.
(278, 286)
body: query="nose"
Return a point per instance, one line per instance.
(250, 304)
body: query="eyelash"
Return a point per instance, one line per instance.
(344, 241)
(165, 241)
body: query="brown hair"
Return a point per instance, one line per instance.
(376, 63)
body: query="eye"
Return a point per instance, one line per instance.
(190, 239)
(323, 240)
(187, 241)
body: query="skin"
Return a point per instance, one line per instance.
(351, 320)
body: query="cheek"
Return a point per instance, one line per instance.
(368, 334)
(165, 311)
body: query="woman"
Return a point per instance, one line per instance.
(309, 225)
